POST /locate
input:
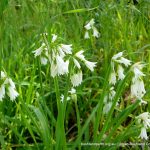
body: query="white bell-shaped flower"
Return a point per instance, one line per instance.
(76, 79)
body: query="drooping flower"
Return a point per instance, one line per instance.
(118, 60)
(76, 63)
(9, 85)
(107, 107)
(3, 75)
(124, 61)
(53, 69)
(137, 86)
(2, 92)
(60, 67)
(112, 93)
(143, 134)
(66, 48)
(80, 55)
(54, 38)
(90, 65)
(12, 93)
(90, 26)
(144, 121)
(72, 91)
(116, 56)
(120, 72)
(112, 78)
(39, 51)
(86, 35)
(44, 60)
(144, 118)
(76, 79)
(95, 32)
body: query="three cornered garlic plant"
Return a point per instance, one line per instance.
(7, 86)
(60, 56)
(90, 27)
(137, 89)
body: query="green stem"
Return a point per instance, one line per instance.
(60, 130)
(100, 105)
(78, 121)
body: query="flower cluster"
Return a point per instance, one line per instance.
(90, 26)
(59, 57)
(117, 61)
(137, 86)
(76, 78)
(7, 83)
(144, 121)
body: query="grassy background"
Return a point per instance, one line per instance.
(30, 121)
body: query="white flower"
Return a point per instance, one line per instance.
(12, 93)
(76, 79)
(112, 79)
(112, 93)
(66, 48)
(90, 65)
(53, 69)
(62, 98)
(145, 119)
(43, 60)
(54, 38)
(142, 101)
(107, 107)
(92, 22)
(89, 25)
(120, 72)
(72, 91)
(95, 32)
(80, 55)
(86, 35)
(38, 51)
(137, 72)
(143, 134)
(73, 94)
(61, 52)
(116, 56)
(76, 63)
(2, 92)
(3, 75)
(11, 83)
(137, 88)
(124, 61)
(62, 67)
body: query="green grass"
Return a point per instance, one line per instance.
(37, 119)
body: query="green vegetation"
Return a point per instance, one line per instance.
(37, 118)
